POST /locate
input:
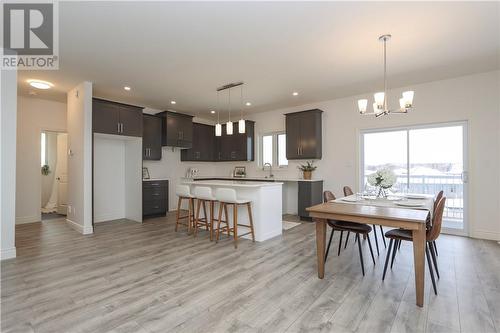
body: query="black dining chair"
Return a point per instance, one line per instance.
(347, 192)
(344, 226)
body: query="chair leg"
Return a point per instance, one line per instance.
(376, 240)
(360, 255)
(370, 246)
(329, 243)
(250, 218)
(435, 248)
(346, 239)
(227, 221)
(396, 242)
(340, 242)
(433, 255)
(383, 236)
(387, 257)
(430, 269)
(235, 225)
(217, 234)
(205, 214)
(178, 213)
(212, 204)
(399, 244)
(197, 217)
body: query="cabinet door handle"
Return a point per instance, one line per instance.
(122, 127)
(118, 127)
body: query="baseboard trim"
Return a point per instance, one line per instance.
(78, 227)
(489, 235)
(27, 219)
(108, 217)
(8, 253)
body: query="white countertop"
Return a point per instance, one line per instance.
(276, 179)
(231, 183)
(153, 179)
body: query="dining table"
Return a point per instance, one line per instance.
(409, 213)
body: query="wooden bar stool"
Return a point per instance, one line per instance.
(203, 195)
(184, 193)
(227, 197)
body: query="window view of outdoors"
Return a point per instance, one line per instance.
(282, 161)
(425, 160)
(267, 149)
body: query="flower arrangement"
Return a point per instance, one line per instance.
(307, 169)
(383, 179)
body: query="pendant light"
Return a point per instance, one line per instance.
(229, 124)
(241, 123)
(380, 107)
(218, 126)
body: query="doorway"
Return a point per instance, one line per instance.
(54, 175)
(426, 159)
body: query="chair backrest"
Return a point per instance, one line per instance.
(328, 196)
(437, 220)
(226, 194)
(203, 192)
(438, 197)
(183, 191)
(348, 191)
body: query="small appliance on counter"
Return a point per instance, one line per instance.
(239, 172)
(192, 173)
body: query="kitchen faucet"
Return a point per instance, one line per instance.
(270, 170)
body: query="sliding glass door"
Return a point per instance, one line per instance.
(426, 159)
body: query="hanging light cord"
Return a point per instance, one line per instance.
(218, 109)
(241, 101)
(229, 113)
(385, 75)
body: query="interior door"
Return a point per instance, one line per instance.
(62, 173)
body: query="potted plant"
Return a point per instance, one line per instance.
(383, 179)
(45, 170)
(307, 169)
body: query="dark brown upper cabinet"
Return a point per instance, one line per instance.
(236, 147)
(303, 135)
(151, 137)
(116, 118)
(203, 144)
(177, 129)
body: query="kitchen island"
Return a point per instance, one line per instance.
(266, 204)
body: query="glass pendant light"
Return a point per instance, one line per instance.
(229, 124)
(218, 126)
(241, 123)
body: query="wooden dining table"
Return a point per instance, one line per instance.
(410, 219)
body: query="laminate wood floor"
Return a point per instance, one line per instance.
(129, 277)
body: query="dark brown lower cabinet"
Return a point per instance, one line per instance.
(310, 194)
(154, 198)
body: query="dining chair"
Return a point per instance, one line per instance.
(356, 228)
(347, 192)
(398, 235)
(436, 200)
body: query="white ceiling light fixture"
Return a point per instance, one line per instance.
(248, 104)
(380, 107)
(241, 122)
(229, 124)
(127, 88)
(39, 84)
(212, 111)
(218, 126)
(295, 93)
(173, 102)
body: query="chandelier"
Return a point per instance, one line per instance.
(380, 105)
(229, 124)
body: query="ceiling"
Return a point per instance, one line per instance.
(324, 50)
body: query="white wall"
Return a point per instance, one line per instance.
(33, 116)
(109, 175)
(474, 98)
(79, 125)
(8, 97)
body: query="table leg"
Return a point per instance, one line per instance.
(419, 263)
(320, 245)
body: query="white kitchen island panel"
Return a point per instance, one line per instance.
(266, 205)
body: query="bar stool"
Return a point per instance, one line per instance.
(203, 195)
(184, 193)
(227, 197)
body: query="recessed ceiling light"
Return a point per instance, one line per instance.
(173, 102)
(212, 111)
(295, 93)
(127, 88)
(248, 103)
(40, 84)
